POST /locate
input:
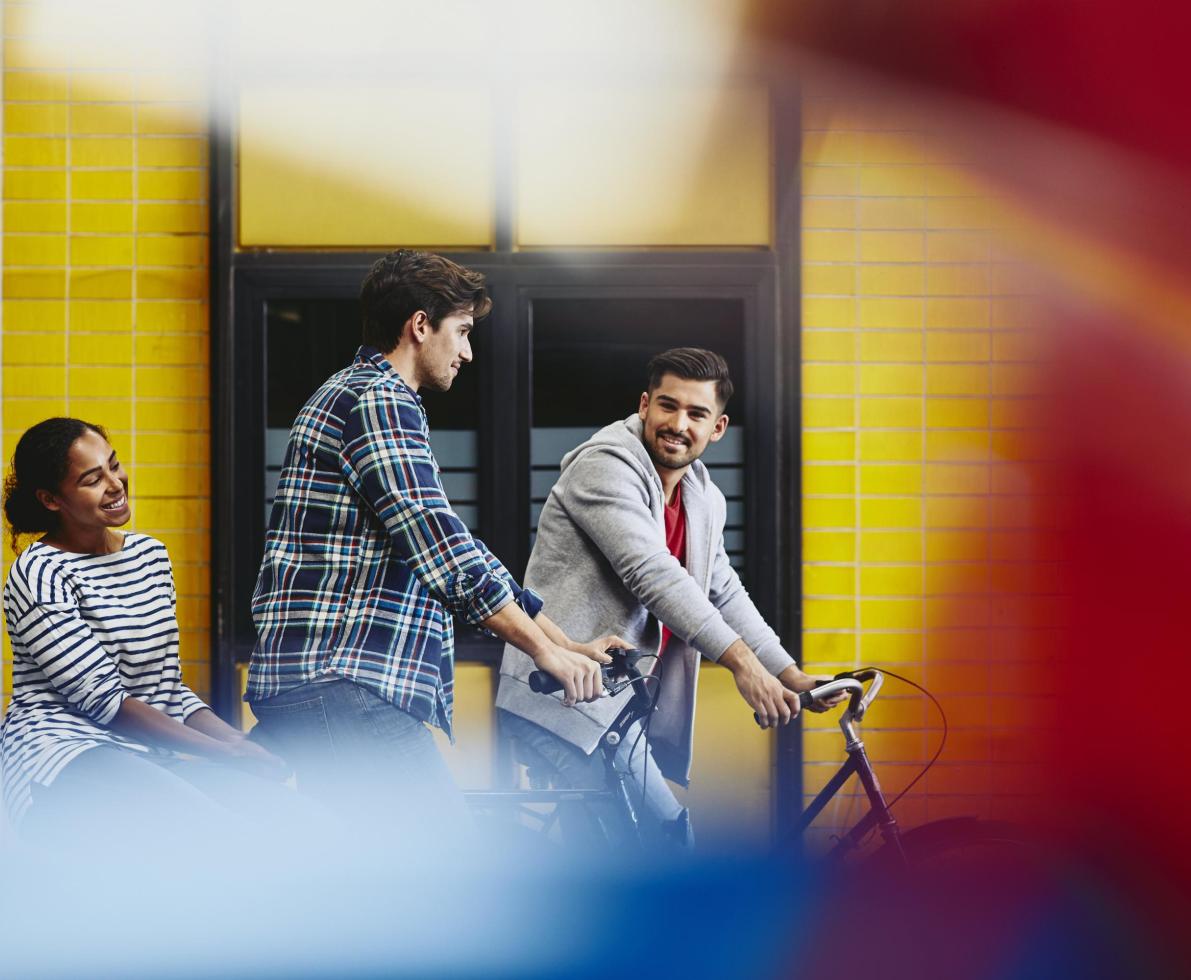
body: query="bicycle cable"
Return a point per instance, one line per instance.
(942, 742)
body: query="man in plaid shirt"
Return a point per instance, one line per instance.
(365, 562)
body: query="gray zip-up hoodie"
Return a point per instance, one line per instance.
(601, 565)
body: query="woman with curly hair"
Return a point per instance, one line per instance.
(101, 724)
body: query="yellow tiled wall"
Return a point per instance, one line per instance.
(105, 287)
(915, 348)
(916, 359)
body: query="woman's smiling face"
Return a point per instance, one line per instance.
(94, 492)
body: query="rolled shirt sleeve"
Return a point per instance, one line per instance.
(187, 702)
(529, 601)
(386, 459)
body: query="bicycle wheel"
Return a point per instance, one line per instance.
(979, 898)
(963, 845)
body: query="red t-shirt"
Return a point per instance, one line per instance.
(675, 543)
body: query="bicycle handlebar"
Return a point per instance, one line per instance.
(542, 683)
(850, 681)
(624, 664)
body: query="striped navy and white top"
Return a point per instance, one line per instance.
(87, 631)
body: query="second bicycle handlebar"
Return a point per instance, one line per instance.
(846, 680)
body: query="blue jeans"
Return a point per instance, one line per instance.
(565, 766)
(361, 756)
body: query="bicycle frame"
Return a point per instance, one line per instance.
(857, 763)
(616, 790)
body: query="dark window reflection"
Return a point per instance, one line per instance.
(309, 340)
(589, 359)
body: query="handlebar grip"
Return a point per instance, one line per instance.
(624, 661)
(542, 683)
(804, 699)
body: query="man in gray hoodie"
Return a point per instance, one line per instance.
(630, 541)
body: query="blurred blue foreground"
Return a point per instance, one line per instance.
(251, 909)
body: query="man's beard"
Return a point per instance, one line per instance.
(669, 462)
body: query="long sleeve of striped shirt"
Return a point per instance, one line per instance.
(50, 626)
(387, 460)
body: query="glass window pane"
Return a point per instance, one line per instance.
(344, 165)
(643, 165)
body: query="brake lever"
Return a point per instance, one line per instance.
(623, 661)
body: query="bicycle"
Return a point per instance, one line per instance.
(936, 841)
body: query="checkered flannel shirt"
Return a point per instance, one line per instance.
(365, 561)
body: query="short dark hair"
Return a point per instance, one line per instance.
(40, 462)
(692, 364)
(404, 282)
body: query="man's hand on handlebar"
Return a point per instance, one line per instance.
(578, 673)
(582, 676)
(793, 679)
(772, 703)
